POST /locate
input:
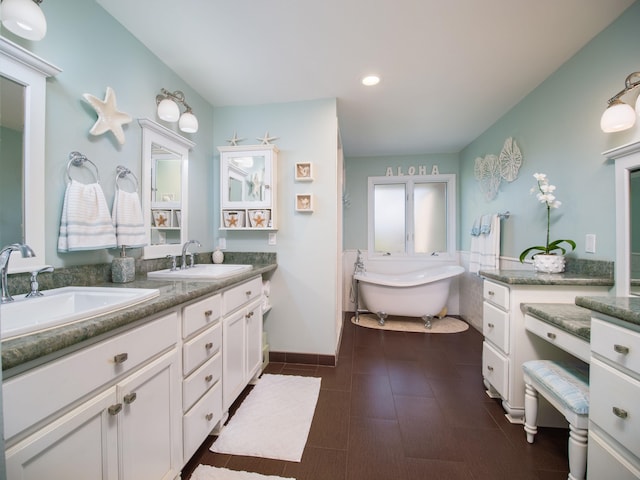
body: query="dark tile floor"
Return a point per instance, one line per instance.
(407, 406)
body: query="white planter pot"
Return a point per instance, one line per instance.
(548, 263)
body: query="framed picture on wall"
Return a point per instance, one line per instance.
(304, 203)
(304, 172)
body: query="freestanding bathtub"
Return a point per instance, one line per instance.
(423, 293)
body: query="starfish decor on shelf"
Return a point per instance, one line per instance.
(233, 141)
(109, 117)
(266, 140)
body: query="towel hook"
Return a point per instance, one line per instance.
(122, 172)
(77, 159)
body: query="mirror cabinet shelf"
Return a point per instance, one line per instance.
(248, 187)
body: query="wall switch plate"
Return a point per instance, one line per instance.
(590, 243)
(272, 239)
(222, 243)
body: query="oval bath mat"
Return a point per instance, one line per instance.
(412, 324)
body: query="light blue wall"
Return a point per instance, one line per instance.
(10, 181)
(359, 169)
(94, 51)
(303, 291)
(557, 128)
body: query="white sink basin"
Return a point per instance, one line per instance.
(60, 306)
(211, 271)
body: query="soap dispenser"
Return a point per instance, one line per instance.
(217, 256)
(123, 268)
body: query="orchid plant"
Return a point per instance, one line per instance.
(545, 196)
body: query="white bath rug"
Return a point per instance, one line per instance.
(273, 421)
(206, 472)
(412, 324)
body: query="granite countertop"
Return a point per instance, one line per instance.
(530, 277)
(571, 318)
(21, 353)
(626, 310)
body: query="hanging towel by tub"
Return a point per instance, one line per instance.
(128, 219)
(485, 248)
(475, 229)
(85, 223)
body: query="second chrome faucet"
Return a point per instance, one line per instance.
(183, 263)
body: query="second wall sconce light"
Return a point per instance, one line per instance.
(619, 115)
(169, 111)
(24, 18)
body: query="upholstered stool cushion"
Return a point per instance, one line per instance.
(567, 382)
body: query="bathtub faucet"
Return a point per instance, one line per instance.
(359, 265)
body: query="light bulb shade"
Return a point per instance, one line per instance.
(168, 110)
(24, 18)
(638, 105)
(188, 123)
(619, 116)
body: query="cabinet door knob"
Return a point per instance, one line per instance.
(114, 409)
(490, 325)
(551, 335)
(209, 416)
(208, 378)
(120, 358)
(619, 412)
(208, 346)
(208, 313)
(130, 398)
(490, 368)
(621, 349)
(491, 292)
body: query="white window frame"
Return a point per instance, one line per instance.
(410, 181)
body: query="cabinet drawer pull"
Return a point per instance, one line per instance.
(130, 398)
(208, 378)
(491, 293)
(208, 313)
(621, 349)
(208, 346)
(248, 293)
(490, 325)
(620, 413)
(120, 358)
(551, 335)
(114, 409)
(249, 315)
(209, 416)
(490, 368)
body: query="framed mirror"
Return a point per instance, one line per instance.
(23, 86)
(627, 165)
(165, 160)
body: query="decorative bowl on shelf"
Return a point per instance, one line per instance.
(233, 218)
(259, 218)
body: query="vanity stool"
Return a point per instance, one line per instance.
(566, 387)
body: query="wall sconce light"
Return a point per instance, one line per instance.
(24, 18)
(620, 115)
(169, 111)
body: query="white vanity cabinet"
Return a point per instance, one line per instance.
(202, 371)
(614, 405)
(242, 338)
(109, 411)
(507, 344)
(248, 187)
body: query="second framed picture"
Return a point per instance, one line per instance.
(304, 172)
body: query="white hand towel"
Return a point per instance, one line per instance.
(85, 223)
(485, 248)
(475, 229)
(128, 219)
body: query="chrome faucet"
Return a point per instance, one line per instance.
(183, 264)
(35, 286)
(5, 254)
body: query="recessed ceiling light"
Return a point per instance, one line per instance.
(371, 80)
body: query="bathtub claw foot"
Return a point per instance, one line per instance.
(427, 321)
(382, 316)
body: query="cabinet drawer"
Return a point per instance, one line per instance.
(604, 462)
(496, 294)
(495, 369)
(241, 294)
(200, 348)
(201, 420)
(196, 384)
(41, 392)
(201, 314)
(615, 404)
(495, 326)
(562, 339)
(615, 343)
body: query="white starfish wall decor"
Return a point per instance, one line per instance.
(266, 140)
(109, 117)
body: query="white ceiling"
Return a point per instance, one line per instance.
(449, 68)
